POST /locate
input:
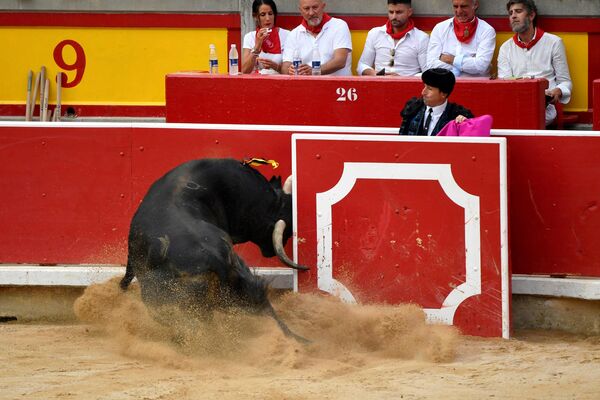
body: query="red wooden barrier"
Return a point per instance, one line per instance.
(403, 220)
(554, 203)
(340, 101)
(67, 191)
(65, 194)
(597, 108)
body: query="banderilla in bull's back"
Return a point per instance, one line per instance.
(182, 235)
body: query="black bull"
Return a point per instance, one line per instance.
(181, 237)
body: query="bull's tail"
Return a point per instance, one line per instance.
(126, 280)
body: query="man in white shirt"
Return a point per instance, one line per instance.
(331, 36)
(463, 44)
(533, 53)
(396, 48)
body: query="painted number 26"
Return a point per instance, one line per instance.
(78, 65)
(346, 94)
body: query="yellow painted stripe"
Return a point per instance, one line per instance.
(123, 66)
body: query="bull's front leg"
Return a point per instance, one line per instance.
(252, 291)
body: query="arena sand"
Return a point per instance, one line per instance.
(358, 352)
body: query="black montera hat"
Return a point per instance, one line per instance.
(439, 78)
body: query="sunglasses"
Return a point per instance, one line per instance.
(392, 54)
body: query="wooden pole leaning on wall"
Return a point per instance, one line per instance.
(57, 109)
(44, 107)
(33, 100)
(42, 91)
(28, 98)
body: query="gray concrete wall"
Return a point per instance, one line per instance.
(207, 6)
(361, 7)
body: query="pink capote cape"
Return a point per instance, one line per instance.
(479, 126)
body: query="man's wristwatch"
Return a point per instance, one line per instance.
(255, 52)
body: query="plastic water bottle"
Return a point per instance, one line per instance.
(213, 61)
(296, 61)
(316, 61)
(233, 61)
(256, 69)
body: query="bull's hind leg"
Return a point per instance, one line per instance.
(162, 298)
(189, 294)
(129, 275)
(138, 256)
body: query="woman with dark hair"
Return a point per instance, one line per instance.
(263, 48)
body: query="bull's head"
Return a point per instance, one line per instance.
(283, 227)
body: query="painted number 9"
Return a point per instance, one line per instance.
(78, 65)
(346, 95)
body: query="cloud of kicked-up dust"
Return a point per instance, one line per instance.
(339, 332)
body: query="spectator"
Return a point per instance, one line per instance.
(533, 53)
(464, 44)
(396, 48)
(263, 48)
(427, 115)
(330, 35)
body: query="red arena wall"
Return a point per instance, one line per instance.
(76, 209)
(596, 93)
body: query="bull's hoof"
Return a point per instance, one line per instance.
(7, 319)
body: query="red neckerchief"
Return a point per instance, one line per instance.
(465, 31)
(316, 29)
(399, 35)
(538, 35)
(271, 44)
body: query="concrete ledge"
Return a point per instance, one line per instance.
(572, 287)
(60, 275)
(47, 293)
(85, 275)
(279, 278)
(556, 313)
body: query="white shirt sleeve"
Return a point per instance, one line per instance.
(480, 63)
(422, 56)
(504, 69)
(561, 69)
(367, 59)
(290, 44)
(342, 39)
(283, 36)
(434, 49)
(249, 40)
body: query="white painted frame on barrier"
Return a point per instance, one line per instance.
(441, 173)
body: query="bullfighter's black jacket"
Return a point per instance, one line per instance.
(414, 112)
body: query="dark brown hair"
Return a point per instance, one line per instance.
(528, 4)
(256, 5)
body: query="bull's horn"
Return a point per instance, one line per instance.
(287, 186)
(278, 246)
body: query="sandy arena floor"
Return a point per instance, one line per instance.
(363, 352)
